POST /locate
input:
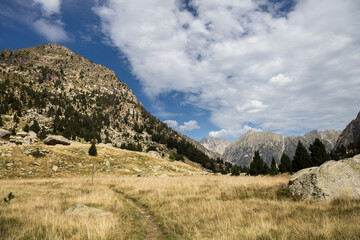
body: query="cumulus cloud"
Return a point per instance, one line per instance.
(231, 133)
(172, 123)
(53, 31)
(245, 61)
(49, 7)
(189, 126)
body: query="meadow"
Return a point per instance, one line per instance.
(182, 207)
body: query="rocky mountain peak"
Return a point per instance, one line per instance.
(215, 144)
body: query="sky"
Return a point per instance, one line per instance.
(212, 68)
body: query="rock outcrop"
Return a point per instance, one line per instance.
(53, 140)
(348, 142)
(4, 133)
(331, 180)
(272, 145)
(215, 144)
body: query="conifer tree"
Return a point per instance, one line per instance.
(26, 128)
(92, 149)
(16, 119)
(285, 164)
(301, 159)
(257, 164)
(265, 169)
(35, 127)
(318, 153)
(273, 169)
(235, 171)
(1, 122)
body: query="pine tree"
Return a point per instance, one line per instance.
(235, 171)
(26, 128)
(1, 122)
(301, 159)
(318, 153)
(92, 150)
(285, 164)
(16, 119)
(35, 127)
(273, 169)
(257, 165)
(265, 169)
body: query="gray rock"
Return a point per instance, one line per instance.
(333, 179)
(36, 164)
(4, 133)
(54, 139)
(55, 168)
(10, 164)
(22, 134)
(136, 169)
(154, 154)
(215, 144)
(85, 211)
(107, 163)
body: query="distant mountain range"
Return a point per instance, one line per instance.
(215, 144)
(269, 145)
(348, 143)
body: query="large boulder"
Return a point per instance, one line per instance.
(54, 139)
(331, 180)
(4, 133)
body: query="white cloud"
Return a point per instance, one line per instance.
(231, 133)
(279, 71)
(189, 126)
(172, 123)
(53, 31)
(49, 7)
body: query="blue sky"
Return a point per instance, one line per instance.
(210, 67)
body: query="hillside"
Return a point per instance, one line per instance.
(215, 144)
(348, 143)
(273, 145)
(52, 90)
(39, 160)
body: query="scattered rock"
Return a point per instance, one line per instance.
(136, 169)
(331, 180)
(50, 161)
(55, 168)
(4, 133)
(85, 211)
(144, 175)
(22, 134)
(107, 164)
(30, 173)
(54, 139)
(154, 154)
(163, 176)
(10, 164)
(36, 164)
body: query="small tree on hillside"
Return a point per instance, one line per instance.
(318, 153)
(273, 169)
(92, 150)
(35, 127)
(1, 122)
(26, 128)
(257, 164)
(301, 159)
(285, 164)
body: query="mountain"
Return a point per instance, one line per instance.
(348, 143)
(51, 90)
(271, 145)
(215, 144)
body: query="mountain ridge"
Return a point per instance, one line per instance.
(270, 145)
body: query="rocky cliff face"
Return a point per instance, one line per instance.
(215, 144)
(349, 139)
(273, 145)
(62, 93)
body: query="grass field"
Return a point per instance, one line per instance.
(187, 207)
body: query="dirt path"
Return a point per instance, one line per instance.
(153, 231)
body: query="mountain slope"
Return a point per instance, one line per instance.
(215, 144)
(273, 145)
(66, 94)
(348, 143)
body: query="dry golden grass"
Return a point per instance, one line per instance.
(188, 207)
(75, 160)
